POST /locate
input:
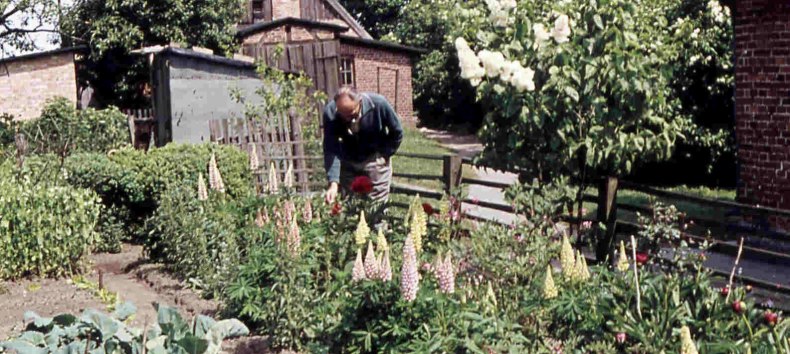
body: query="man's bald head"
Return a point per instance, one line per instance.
(348, 103)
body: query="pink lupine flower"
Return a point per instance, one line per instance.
(620, 337)
(371, 264)
(409, 282)
(307, 214)
(294, 239)
(358, 273)
(446, 275)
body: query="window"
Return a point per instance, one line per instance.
(257, 9)
(347, 71)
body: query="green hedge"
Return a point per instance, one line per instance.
(62, 129)
(44, 230)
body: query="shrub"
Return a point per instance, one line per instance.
(44, 230)
(62, 129)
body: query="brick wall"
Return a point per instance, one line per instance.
(762, 104)
(298, 34)
(26, 83)
(285, 8)
(378, 70)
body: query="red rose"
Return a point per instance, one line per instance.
(771, 318)
(336, 208)
(737, 306)
(362, 185)
(427, 208)
(725, 291)
(642, 258)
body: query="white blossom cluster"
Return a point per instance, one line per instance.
(500, 11)
(720, 13)
(492, 64)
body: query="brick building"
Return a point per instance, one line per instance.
(27, 81)
(322, 39)
(762, 103)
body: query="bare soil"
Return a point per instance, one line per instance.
(127, 273)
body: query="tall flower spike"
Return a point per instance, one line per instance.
(385, 269)
(409, 281)
(419, 227)
(307, 213)
(446, 275)
(415, 203)
(687, 345)
(381, 241)
(549, 289)
(358, 273)
(363, 231)
(371, 265)
(622, 259)
(584, 271)
(254, 165)
(490, 295)
(567, 261)
(261, 218)
(294, 239)
(202, 191)
(273, 185)
(214, 177)
(288, 180)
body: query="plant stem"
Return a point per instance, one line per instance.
(748, 325)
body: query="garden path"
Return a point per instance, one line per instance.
(468, 146)
(126, 273)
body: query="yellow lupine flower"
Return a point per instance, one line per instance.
(419, 227)
(686, 343)
(381, 241)
(583, 273)
(363, 231)
(622, 260)
(549, 289)
(567, 261)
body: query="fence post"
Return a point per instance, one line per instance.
(452, 172)
(298, 149)
(607, 214)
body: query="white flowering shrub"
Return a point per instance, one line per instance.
(572, 85)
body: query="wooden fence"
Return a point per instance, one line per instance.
(318, 60)
(277, 141)
(141, 127)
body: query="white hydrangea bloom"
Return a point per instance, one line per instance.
(500, 11)
(541, 35)
(492, 62)
(523, 80)
(499, 18)
(508, 4)
(469, 62)
(562, 29)
(695, 33)
(509, 69)
(717, 11)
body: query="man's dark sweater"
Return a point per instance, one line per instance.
(379, 132)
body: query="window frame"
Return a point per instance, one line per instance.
(352, 70)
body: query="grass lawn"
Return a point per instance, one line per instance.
(414, 142)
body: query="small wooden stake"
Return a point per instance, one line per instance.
(636, 278)
(734, 266)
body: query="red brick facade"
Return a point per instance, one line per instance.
(27, 82)
(762, 51)
(385, 72)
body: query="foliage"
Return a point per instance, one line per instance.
(21, 21)
(62, 129)
(113, 28)
(44, 230)
(95, 331)
(285, 94)
(109, 298)
(378, 17)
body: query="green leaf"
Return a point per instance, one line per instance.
(570, 91)
(598, 21)
(22, 347)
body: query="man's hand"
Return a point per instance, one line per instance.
(331, 193)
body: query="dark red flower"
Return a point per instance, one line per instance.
(362, 185)
(725, 291)
(737, 306)
(771, 318)
(428, 209)
(642, 258)
(336, 209)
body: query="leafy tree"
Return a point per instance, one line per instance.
(113, 28)
(379, 17)
(20, 19)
